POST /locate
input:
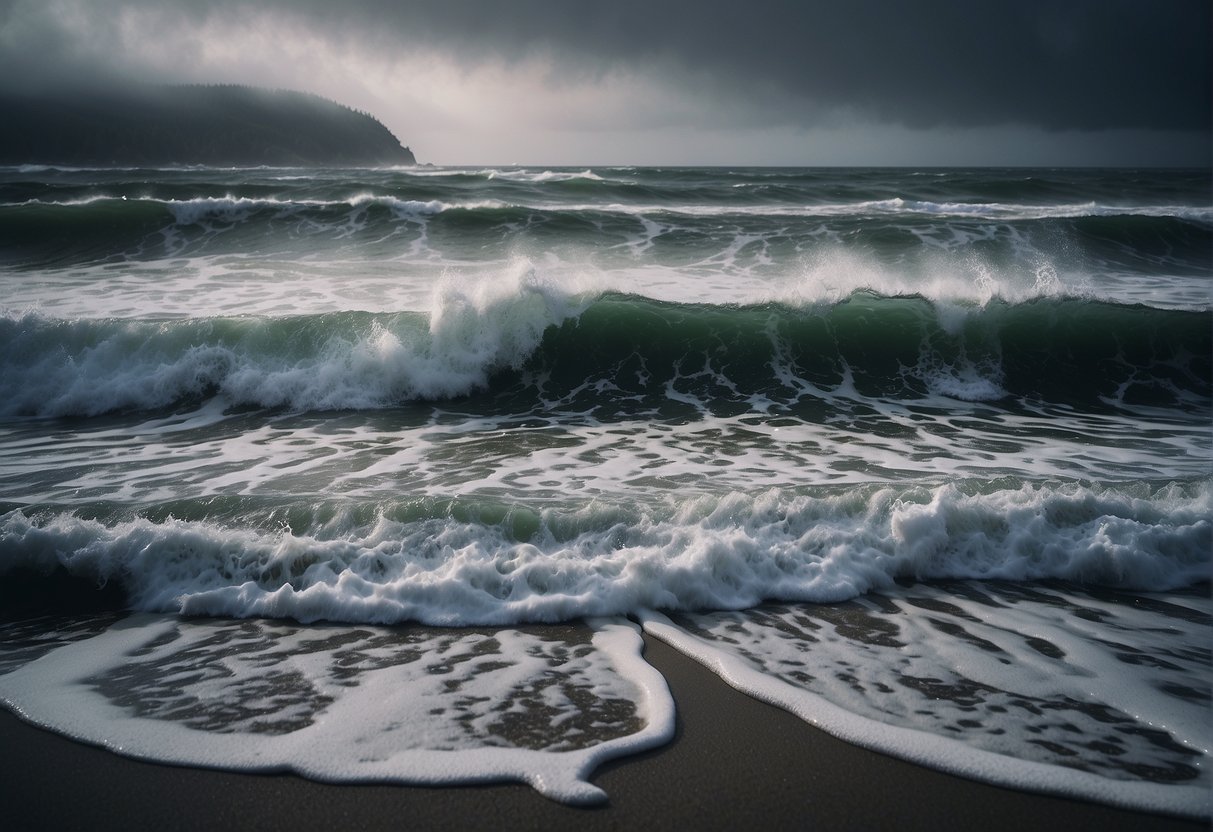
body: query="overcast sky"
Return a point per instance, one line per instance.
(917, 82)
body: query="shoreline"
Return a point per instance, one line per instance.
(734, 762)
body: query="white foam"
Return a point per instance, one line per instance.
(955, 284)
(935, 750)
(396, 721)
(234, 208)
(963, 379)
(521, 175)
(896, 207)
(727, 552)
(479, 325)
(474, 328)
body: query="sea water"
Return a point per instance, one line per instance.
(921, 455)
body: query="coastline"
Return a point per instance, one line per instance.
(734, 762)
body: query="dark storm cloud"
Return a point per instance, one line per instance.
(1082, 64)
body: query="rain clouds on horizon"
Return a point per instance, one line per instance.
(1085, 66)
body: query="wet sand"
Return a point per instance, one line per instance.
(735, 763)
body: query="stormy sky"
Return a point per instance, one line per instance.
(882, 82)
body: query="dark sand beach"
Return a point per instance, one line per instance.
(735, 763)
(717, 344)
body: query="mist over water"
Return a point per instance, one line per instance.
(506, 396)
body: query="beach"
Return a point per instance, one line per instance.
(920, 456)
(730, 416)
(734, 763)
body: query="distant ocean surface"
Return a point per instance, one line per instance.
(921, 455)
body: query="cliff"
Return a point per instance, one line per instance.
(191, 125)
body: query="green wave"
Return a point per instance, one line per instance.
(97, 225)
(1059, 350)
(623, 355)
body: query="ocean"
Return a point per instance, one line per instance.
(391, 468)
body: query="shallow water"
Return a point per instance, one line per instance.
(903, 404)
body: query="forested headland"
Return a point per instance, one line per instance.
(191, 125)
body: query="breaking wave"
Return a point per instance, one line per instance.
(524, 345)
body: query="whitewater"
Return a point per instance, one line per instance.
(921, 456)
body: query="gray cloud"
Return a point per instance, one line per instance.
(1052, 63)
(1061, 64)
(1133, 74)
(1058, 64)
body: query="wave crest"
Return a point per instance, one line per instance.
(348, 360)
(531, 344)
(461, 563)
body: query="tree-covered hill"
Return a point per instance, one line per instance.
(191, 125)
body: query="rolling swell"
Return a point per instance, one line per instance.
(619, 356)
(1072, 351)
(92, 225)
(1145, 242)
(103, 228)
